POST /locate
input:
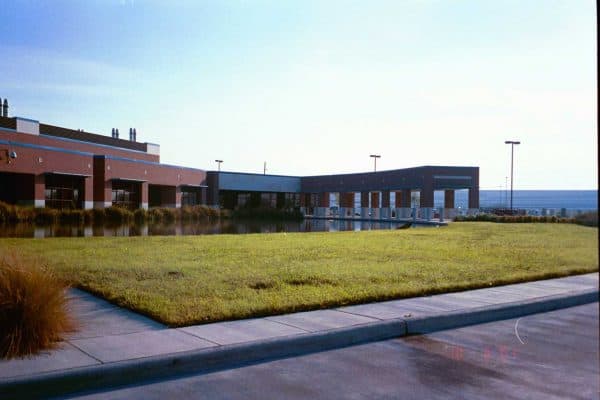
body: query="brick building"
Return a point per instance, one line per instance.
(45, 165)
(49, 166)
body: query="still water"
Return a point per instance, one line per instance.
(198, 228)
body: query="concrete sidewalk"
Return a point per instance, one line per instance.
(116, 346)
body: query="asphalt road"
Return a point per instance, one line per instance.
(553, 355)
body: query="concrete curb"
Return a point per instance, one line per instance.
(223, 357)
(480, 315)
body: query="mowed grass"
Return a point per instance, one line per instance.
(196, 279)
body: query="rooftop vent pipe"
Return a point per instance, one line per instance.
(132, 134)
(5, 108)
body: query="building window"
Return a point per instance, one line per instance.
(243, 199)
(63, 191)
(189, 198)
(268, 200)
(292, 200)
(126, 194)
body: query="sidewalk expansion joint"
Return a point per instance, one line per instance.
(360, 315)
(112, 334)
(84, 352)
(198, 337)
(286, 324)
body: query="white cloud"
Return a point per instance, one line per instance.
(53, 72)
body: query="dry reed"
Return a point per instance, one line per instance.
(33, 308)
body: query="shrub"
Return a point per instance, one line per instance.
(5, 212)
(512, 218)
(98, 215)
(164, 214)
(71, 216)
(33, 314)
(140, 215)
(169, 214)
(154, 215)
(45, 216)
(24, 214)
(88, 216)
(195, 213)
(111, 215)
(189, 213)
(212, 212)
(10, 213)
(117, 215)
(587, 219)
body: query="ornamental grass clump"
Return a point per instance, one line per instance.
(140, 215)
(74, 216)
(33, 308)
(198, 212)
(45, 216)
(117, 215)
(8, 213)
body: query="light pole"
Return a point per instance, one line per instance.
(219, 165)
(512, 153)
(375, 157)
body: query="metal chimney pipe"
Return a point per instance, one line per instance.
(134, 135)
(5, 108)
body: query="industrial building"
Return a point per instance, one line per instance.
(49, 166)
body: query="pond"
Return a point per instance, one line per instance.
(223, 226)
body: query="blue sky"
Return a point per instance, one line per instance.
(314, 87)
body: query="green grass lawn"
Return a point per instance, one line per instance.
(194, 279)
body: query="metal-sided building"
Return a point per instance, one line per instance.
(312, 193)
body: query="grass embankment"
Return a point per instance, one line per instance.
(195, 279)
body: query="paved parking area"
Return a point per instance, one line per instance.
(552, 355)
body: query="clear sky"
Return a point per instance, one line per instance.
(314, 87)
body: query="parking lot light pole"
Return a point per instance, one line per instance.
(512, 151)
(375, 157)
